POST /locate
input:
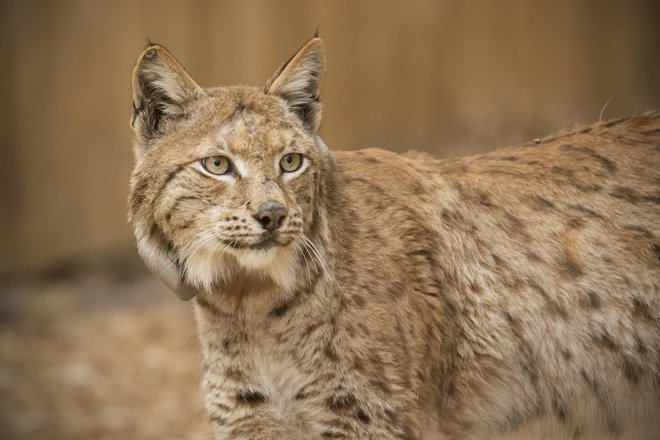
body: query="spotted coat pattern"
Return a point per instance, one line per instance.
(413, 298)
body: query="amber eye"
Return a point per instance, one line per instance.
(291, 162)
(216, 165)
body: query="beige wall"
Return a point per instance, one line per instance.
(450, 77)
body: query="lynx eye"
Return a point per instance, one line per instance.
(291, 162)
(217, 165)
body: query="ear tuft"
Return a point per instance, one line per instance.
(298, 82)
(161, 90)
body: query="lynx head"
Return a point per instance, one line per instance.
(226, 179)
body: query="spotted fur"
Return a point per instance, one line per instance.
(508, 294)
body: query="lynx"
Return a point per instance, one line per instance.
(370, 295)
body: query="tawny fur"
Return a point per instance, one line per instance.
(511, 293)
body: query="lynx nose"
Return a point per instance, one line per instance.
(271, 214)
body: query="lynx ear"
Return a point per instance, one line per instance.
(161, 90)
(298, 81)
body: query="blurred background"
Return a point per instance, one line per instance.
(90, 345)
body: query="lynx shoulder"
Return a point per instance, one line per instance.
(370, 295)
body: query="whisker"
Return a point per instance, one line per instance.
(200, 246)
(172, 263)
(301, 251)
(208, 258)
(312, 247)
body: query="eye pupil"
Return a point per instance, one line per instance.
(291, 162)
(217, 165)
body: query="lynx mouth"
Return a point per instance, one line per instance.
(272, 255)
(267, 243)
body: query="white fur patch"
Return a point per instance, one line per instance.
(211, 263)
(256, 259)
(206, 266)
(277, 263)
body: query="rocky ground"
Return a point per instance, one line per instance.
(97, 356)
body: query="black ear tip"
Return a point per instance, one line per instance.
(152, 48)
(151, 44)
(316, 33)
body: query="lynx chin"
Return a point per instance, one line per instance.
(370, 295)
